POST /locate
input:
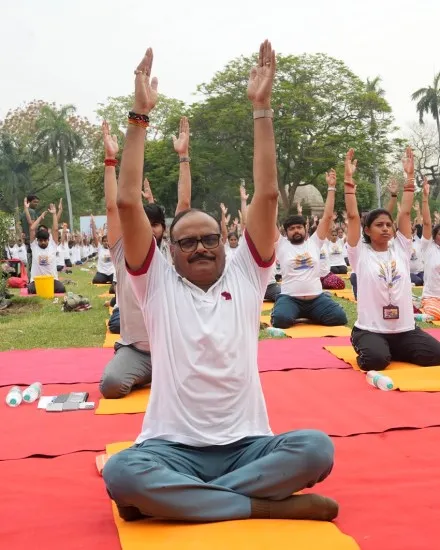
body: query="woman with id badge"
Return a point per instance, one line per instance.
(385, 330)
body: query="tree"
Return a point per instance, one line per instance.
(320, 109)
(15, 168)
(57, 138)
(428, 101)
(424, 142)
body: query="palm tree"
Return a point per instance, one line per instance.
(15, 166)
(57, 138)
(428, 100)
(374, 95)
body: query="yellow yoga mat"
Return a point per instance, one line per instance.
(110, 338)
(344, 275)
(234, 535)
(306, 330)
(345, 293)
(101, 284)
(405, 376)
(105, 295)
(134, 402)
(267, 306)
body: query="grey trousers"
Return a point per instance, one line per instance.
(129, 368)
(172, 481)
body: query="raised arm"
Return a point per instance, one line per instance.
(426, 214)
(147, 193)
(327, 216)
(406, 203)
(353, 218)
(224, 222)
(60, 210)
(181, 146)
(26, 211)
(34, 225)
(52, 210)
(393, 187)
(94, 232)
(243, 207)
(262, 212)
(136, 229)
(111, 148)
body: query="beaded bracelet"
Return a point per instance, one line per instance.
(138, 120)
(111, 162)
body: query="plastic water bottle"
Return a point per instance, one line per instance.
(14, 397)
(423, 317)
(380, 381)
(32, 393)
(272, 331)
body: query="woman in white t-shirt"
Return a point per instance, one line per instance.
(416, 262)
(385, 330)
(430, 245)
(105, 267)
(335, 252)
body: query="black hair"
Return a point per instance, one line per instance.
(31, 198)
(294, 220)
(42, 234)
(44, 227)
(435, 231)
(233, 234)
(155, 214)
(369, 219)
(184, 213)
(312, 230)
(419, 230)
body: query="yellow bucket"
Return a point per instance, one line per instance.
(44, 286)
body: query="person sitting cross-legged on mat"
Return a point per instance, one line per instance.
(329, 280)
(44, 249)
(301, 290)
(417, 266)
(131, 367)
(335, 251)
(206, 452)
(385, 330)
(105, 268)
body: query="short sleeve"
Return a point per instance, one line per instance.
(117, 252)
(405, 244)
(317, 241)
(150, 277)
(354, 253)
(249, 262)
(424, 244)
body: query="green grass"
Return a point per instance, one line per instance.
(39, 323)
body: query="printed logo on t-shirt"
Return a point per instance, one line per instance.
(106, 259)
(388, 272)
(322, 255)
(303, 261)
(43, 260)
(335, 250)
(413, 255)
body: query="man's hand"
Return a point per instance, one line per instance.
(25, 203)
(147, 193)
(243, 195)
(223, 209)
(145, 92)
(416, 207)
(60, 205)
(393, 186)
(111, 146)
(181, 144)
(408, 163)
(52, 210)
(330, 178)
(299, 208)
(349, 167)
(261, 78)
(426, 189)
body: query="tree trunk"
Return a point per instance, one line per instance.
(68, 197)
(437, 121)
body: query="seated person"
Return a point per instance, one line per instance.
(430, 246)
(206, 452)
(301, 290)
(416, 265)
(335, 251)
(329, 280)
(44, 249)
(105, 268)
(385, 330)
(273, 288)
(114, 323)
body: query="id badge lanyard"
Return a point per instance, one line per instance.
(391, 311)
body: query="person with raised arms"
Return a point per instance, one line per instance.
(385, 330)
(131, 367)
(206, 452)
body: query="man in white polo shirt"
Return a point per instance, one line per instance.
(206, 451)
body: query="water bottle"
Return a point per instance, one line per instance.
(14, 397)
(380, 381)
(32, 393)
(272, 331)
(423, 317)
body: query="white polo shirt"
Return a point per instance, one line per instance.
(206, 388)
(300, 266)
(383, 279)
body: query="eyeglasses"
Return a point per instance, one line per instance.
(189, 244)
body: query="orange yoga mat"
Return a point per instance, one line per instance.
(233, 535)
(308, 330)
(134, 402)
(406, 376)
(110, 338)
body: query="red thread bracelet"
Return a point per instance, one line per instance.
(111, 162)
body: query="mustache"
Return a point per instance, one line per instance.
(199, 256)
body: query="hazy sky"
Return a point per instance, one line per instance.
(82, 51)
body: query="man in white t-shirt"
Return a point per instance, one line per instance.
(206, 451)
(44, 250)
(301, 289)
(416, 264)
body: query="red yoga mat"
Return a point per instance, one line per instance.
(299, 353)
(341, 403)
(53, 366)
(28, 431)
(388, 489)
(55, 504)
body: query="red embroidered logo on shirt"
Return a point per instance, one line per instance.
(226, 296)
